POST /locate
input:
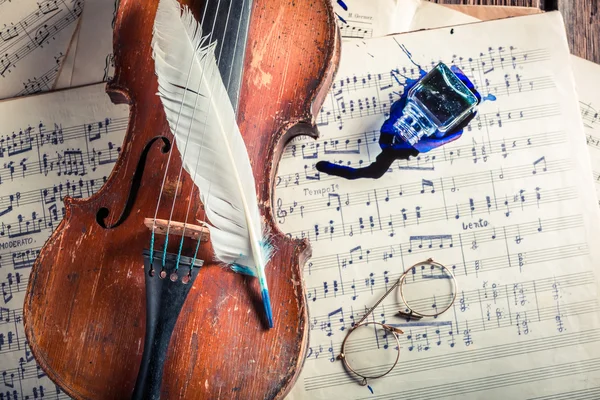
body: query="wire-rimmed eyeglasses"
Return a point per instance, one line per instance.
(434, 275)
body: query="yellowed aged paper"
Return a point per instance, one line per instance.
(587, 78)
(508, 206)
(34, 37)
(51, 146)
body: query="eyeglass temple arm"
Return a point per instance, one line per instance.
(394, 286)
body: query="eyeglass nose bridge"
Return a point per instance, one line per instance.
(393, 329)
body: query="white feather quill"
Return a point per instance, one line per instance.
(203, 122)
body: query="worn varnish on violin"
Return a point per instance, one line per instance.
(85, 309)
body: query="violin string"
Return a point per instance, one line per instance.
(190, 130)
(164, 180)
(187, 139)
(199, 156)
(235, 114)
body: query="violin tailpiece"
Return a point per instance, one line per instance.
(164, 300)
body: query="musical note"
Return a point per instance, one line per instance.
(34, 33)
(35, 148)
(541, 160)
(475, 204)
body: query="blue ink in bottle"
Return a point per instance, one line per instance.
(432, 111)
(435, 105)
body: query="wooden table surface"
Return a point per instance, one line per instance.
(581, 19)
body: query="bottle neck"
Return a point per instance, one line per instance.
(413, 124)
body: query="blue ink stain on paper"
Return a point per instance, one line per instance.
(394, 148)
(422, 72)
(342, 4)
(341, 19)
(371, 389)
(489, 97)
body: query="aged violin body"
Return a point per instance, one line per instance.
(101, 316)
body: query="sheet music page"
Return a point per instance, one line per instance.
(51, 145)
(94, 61)
(587, 79)
(430, 15)
(65, 76)
(363, 20)
(34, 36)
(509, 207)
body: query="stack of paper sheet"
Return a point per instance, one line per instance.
(510, 206)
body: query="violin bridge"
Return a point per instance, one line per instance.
(195, 232)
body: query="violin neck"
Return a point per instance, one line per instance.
(228, 21)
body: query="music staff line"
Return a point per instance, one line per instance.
(67, 162)
(40, 135)
(374, 107)
(537, 374)
(421, 332)
(27, 371)
(352, 142)
(592, 141)
(450, 184)
(14, 283)
(415, 333)
(389, 79)
(589, 114)
(348, 31)
(77, 189)
(473, 151)
(360, 255)
(44, 82)
(375, 285)
(34, 31)
(458, 358)
(376, 222)
(474, 67)
(21, 258)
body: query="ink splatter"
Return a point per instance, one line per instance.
(342, 4)
(393, 147)
(489, 97)
(452, 31)
(341, 19)
(371, 389)
(410, 57)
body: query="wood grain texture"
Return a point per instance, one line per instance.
(581, 20)
(84, 310)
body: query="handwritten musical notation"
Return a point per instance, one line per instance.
(45, 155)
(508, 208)
(94, 60)
(359, 20)
(33, 38)
(589, 102)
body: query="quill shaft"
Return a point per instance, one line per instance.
(215, 153)
(257, 251)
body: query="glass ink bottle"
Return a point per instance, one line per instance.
(436, 104)
(430, 113)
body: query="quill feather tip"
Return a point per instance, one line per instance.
(267, 304)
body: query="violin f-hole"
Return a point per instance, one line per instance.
(104, 212)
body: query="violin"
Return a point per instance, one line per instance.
(114, 312)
